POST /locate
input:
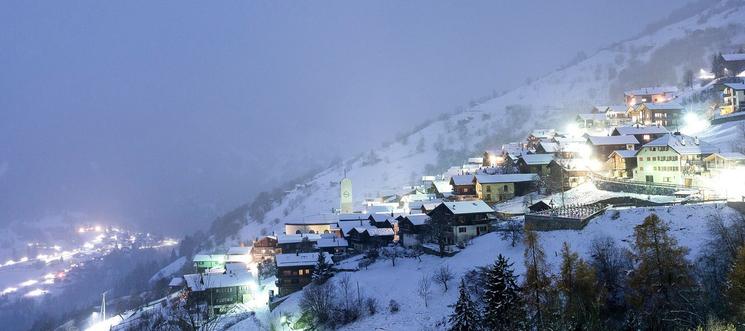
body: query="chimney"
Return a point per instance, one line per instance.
(696, 141)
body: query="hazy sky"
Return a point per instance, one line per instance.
(162, 111)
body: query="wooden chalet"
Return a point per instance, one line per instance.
(294, 271)
(466, 219)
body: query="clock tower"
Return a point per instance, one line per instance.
(346, 195)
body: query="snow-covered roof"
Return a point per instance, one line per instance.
(639, 129)
(347, 226)
(300, 259)
(506, 178)
(731, 156)
(543, 133)
(332, 242)
(685, 145)
(379, 232)
(476, 160)
(624, 153)
(663, 106)
(652, 90)
(353, 216)
(239, 250)
(417, 219)
(201, 282)
(617, 108)
(208, 257)
(549, 147)
(612, 140)
(176, 282)
(462, 180)
(468, 207)
(296, 238)
(592, 117)
(734, 57)
(735, 86)
(533, 159)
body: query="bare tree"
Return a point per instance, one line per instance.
(443, 275)
(345, 286)
(391, 253)
(513, 231)
(424, 289)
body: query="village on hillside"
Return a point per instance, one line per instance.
(637, 153)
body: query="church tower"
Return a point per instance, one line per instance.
(346, 195)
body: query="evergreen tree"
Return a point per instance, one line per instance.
(322, 271)
(537, 282)
(504, 308)
(577, 286)
(465, 316)
(735, 287)
(662, 282)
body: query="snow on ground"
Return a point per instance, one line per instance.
(169, 270)
(688, 224)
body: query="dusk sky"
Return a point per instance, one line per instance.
(175, 111)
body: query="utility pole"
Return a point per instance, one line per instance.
(103, 306)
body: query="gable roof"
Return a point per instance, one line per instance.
(417, 219)
(300, 259)
(535, 159)
(731, 156)
(624, 153)
(201, 282)
(735, 86)
(549, 146)
(651, 90)
(612, 140)
(663, 106)
(461, 180)
(332, 242)
(638, 129)
(296, 238)
(684, 145)
(617, 108)
(468, 207)
(506, 178)
(592, 117)
(734, 57)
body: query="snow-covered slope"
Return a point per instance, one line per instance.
(657, 58)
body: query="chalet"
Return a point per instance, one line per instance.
(733, 98)
(428, 207)
(617, 115)
(441, 189)
(264, 248)
(568, 173)
(463, 185)
(292, 243)
(547, 147)
(238, 254)
(534, 164)
(722, 161)
(537, 136)
(313, 226)
(650, 94)
(294, 271)
(332, 244)
(539, 206)
(204, 262)
(412, 229)
(592, 120)
(673, 159)
(364, 238)
(602, 146)
(570, 147)
(621, 163)
(466, 219)
(219, 291)
(496, 188)
(477, 161)
(384, 220)
(668, 114)
(731, 64)
(642, 133)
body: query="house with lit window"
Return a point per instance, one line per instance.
(591, 120)
(204, 262)
(669, 114)
(496, 188)
(674, 159)
(219, 291)
(642, 133)
(292, 243)
(602, 146)
(621, 163)
(295, 270)
(264, 248)
(463, 185)
(568, 173)
(466, 219)
(617, 115)
(650, 95)
(733, 98)
(534, 163)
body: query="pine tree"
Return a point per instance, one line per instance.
(504, 308)
(735, 288)
(537, 281)
(662, 280)
(322, 271)
(465, 316)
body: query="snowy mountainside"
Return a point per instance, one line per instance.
(659, 58)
